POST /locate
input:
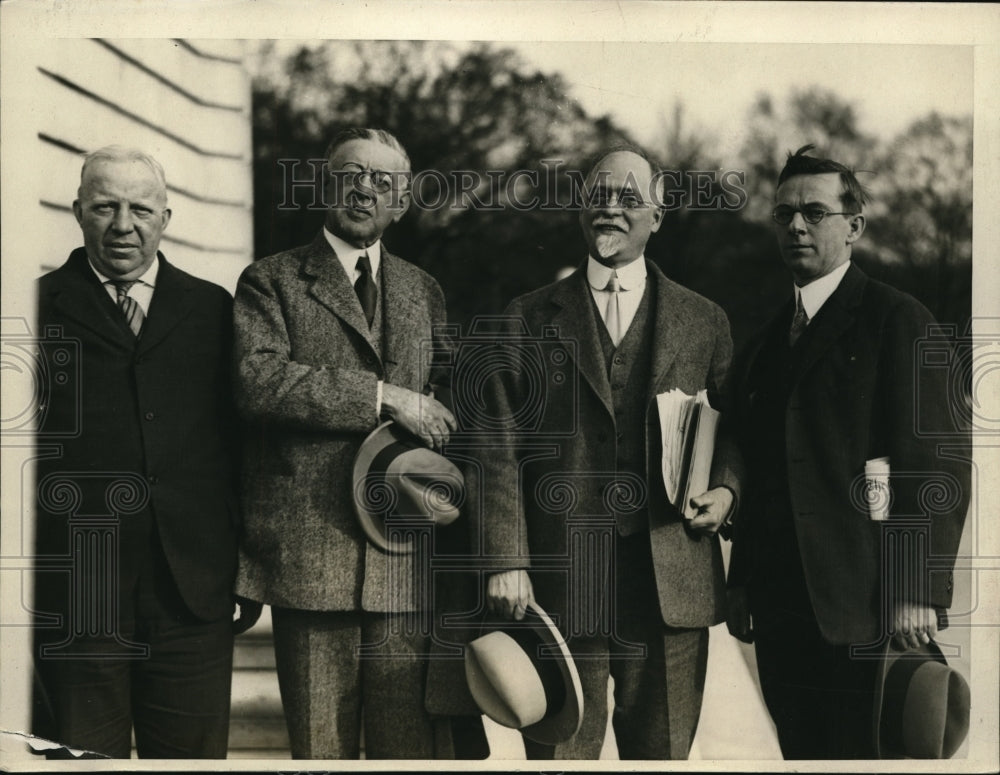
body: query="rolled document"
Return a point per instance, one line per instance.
(877, 488)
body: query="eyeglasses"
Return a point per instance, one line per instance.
(378, 181)
(783, 214)
(626, 200)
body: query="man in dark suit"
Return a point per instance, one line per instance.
(137, 515)
(831, 385)
(329, 342)
(575, 513)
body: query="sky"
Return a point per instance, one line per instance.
(638, 83)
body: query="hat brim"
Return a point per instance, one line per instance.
(928, 652)
(373, 523)
(564, 722)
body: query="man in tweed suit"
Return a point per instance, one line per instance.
(632, 583)
(319, 364)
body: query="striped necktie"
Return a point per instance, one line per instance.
(134, 315)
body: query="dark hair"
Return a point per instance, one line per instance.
(852, 197)
(364, 133)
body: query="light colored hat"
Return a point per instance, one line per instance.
(399, 480)
(522, 676)
(921, 705)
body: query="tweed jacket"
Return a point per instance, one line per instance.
(146, 429)
(306, 375)
(859, 390)
(537, 484)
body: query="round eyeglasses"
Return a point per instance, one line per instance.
(783, 214)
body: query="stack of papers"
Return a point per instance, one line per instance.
(688, 425)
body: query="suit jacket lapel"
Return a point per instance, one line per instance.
(834, 317)
(399, 310)
(667, 329)
(84, 299)
(170, 305)
(576, 317)
(332, 288)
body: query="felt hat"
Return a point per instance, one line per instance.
(399, 484)
(522, 676)
(921, 705)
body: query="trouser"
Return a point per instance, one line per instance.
(820, 698)
(658, 672)
(167, 676)
(329, 690)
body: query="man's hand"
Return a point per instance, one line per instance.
(509, 593)
(423, 416)
(913, 624)
(250, 611)
(738, 618)
(713, 508)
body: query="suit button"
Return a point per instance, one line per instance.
(152, 479)
(150, 415)
(619, 360)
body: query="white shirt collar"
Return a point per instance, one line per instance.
(815, 294)
(631, 277)
(348, 254)
(146, 278)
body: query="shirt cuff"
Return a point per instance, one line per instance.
(378, 400)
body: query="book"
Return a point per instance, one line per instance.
(688, 426)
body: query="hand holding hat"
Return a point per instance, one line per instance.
(922, 705)
(422, 415)
(399, 485)
(522, 676)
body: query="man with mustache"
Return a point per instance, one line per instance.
(329, 338)
(140, 499)
(575, 512)
(832, 383)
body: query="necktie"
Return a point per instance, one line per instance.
(799, 322)
(130, 308)
(365, 288)
(612, 312)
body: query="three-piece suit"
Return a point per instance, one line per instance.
(572, 490)
(351, 622)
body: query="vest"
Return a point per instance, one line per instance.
(629, 371)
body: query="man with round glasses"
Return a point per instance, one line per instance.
(830, 386)
(329, 343)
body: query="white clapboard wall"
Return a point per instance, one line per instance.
(185, 102)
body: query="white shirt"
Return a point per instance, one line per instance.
(143, 289)
(348, 256)
(631, 279)
(815, 294)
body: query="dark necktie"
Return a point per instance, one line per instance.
(130, 308)
(365, 288)
(799, 322)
